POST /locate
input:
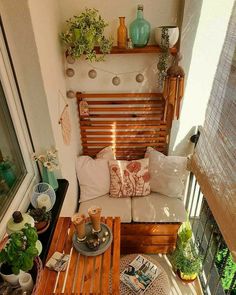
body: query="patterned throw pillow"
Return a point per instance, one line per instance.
(129, 178)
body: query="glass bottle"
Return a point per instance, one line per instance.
(122, 34)
(140, 29)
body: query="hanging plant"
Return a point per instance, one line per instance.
(164, 56)
(84, 32)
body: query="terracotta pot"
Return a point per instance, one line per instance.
(40, 225)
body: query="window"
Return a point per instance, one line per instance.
(12, 167)
(17, 174)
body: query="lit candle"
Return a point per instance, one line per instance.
(44, 200)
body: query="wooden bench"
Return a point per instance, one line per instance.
(131, 122)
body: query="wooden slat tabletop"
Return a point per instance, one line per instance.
(84, 275)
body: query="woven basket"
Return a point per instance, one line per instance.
(35, 272)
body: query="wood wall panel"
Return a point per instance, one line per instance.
(126, 121)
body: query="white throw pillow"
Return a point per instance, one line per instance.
(106, 153)
(168, 173)
(93, 176)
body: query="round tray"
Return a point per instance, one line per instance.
(82, 248)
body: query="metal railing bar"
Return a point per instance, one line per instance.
(209, 243)
(204, 230)
(220, 242)
(197, 204)
(200, 215)
(192, 200)
(191, 176)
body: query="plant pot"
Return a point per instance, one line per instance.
(186, 278)
(173, 33)
(40, 225)
(8, 276)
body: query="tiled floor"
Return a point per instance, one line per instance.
(177, 286)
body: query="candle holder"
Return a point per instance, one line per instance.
(79, 223)
(43, 196)
(95, 216)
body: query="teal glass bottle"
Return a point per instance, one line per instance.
(140, 29)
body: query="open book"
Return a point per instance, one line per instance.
(140, 274)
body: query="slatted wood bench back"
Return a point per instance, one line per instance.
(129, 122)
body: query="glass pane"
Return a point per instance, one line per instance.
(12, 167)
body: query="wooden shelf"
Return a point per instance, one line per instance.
(147, 49)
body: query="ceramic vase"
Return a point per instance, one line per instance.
(140, 29)
(122, 35)
(173, 33)
(49, 177)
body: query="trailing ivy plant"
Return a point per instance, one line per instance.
(164, 56)
(84, 32)
(20, 250)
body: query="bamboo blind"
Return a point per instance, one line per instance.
(214, 161)
(129, 122)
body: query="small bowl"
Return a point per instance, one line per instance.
(93, 242)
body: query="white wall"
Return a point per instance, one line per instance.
(203, 32)
(20, 36)
(45, 16)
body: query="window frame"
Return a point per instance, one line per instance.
(21, 199)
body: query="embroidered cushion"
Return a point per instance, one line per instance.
(129, 178)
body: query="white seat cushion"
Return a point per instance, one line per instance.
(110, 207)
(158, 208)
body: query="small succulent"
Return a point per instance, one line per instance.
(40, 214)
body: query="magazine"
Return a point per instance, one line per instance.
(140, 274)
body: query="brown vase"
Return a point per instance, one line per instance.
(122, 35)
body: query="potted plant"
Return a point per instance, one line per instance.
(84, 32)
(49, 163)
(18, 253)
(185, 259)
(41, 218)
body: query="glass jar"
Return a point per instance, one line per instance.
(140, 29)
(122, 34)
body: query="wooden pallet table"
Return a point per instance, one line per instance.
(84, 275)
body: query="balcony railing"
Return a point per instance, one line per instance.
(219, 271)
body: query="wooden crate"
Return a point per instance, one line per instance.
(150, 238)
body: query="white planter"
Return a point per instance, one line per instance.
(173, 33)
(12, 279)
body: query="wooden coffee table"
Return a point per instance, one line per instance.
(84, 275)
